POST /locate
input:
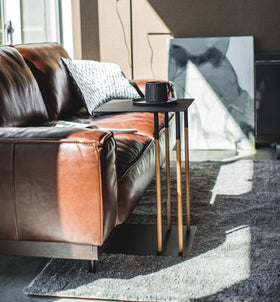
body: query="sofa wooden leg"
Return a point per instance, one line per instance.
(92, 266)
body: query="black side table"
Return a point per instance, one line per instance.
(181, 105)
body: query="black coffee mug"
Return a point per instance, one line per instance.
(156, 91)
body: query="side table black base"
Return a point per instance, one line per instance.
(139, 239)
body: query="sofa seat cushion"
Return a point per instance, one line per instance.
(134, 157)
(21, 103)
(129, 147)
(133, 133)
(142, 122)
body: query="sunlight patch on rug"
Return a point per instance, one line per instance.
(231, 182)
(200, 276)
(234, 256)
(232, 266)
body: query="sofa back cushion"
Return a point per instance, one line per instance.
(21, 102)
(57, 90)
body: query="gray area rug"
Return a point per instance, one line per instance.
(235, 254)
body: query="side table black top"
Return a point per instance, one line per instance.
(126, 105)
(181, 105)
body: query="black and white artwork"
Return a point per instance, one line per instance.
(219, 74)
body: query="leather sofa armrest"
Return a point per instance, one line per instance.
(57, 184)
(50, 134)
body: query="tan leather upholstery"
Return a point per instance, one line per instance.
(61, 185)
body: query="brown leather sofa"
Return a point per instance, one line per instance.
(63, 190)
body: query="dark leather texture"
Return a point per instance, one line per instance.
(52, 77)
(21, 103)
(8, 228)
(135, 156)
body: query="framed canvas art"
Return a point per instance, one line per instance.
(219, 74)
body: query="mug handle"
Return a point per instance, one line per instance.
(170, 89)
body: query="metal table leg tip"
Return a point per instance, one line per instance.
(92, 266)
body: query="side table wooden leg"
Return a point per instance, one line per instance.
(167, 157)
(158, 186)
(187, 173)
(179, 185)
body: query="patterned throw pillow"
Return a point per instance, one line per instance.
(99, 82)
